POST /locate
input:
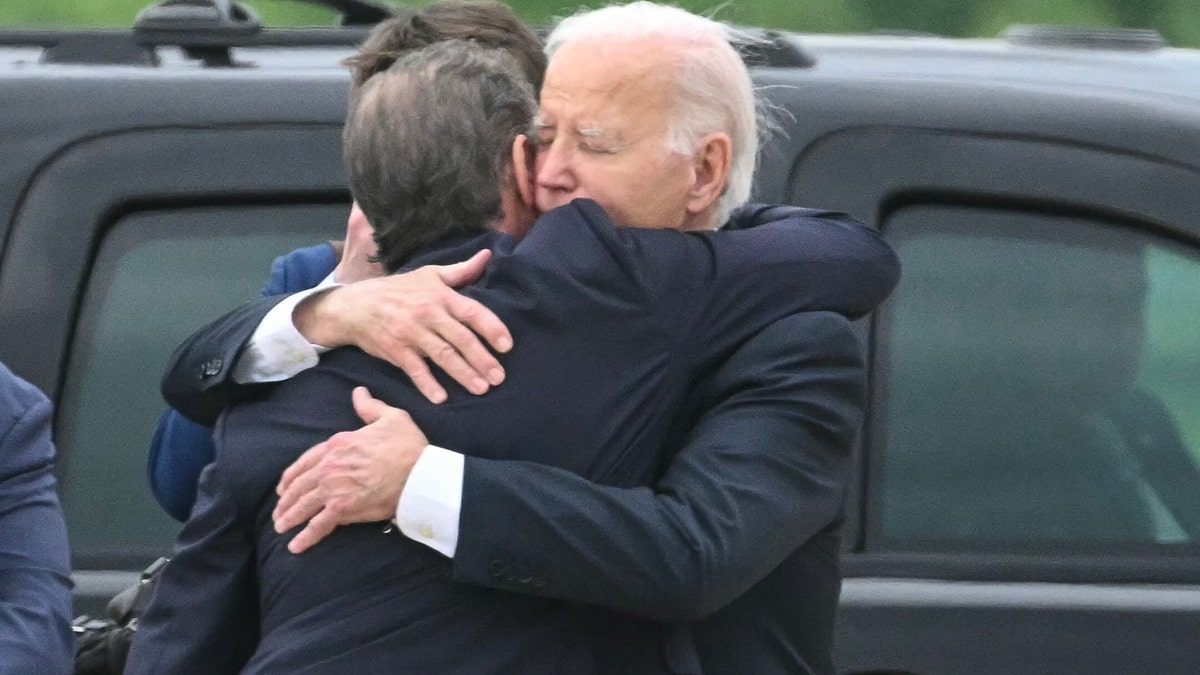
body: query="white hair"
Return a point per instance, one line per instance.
(715, 91)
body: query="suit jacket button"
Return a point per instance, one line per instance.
(211, 368)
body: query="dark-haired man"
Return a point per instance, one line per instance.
(180, 447)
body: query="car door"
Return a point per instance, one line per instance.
(1029, 487)
(123, 243)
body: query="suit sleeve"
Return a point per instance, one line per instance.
(793, 260)
(199, 379)
(762, 472)
(35, 578)
(203, 617)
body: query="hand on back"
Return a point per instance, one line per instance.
(407, 318)
(354, 477)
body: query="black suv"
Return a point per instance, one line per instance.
(1028, 499)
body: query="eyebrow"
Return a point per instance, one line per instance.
(540, 122)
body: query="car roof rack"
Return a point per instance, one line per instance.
(205, 30)
(208, 30)
(109, 47)
(1077, 37)
(356, 12)
(773, 50)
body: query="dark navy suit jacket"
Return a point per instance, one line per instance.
(35, 573)
(614, 327)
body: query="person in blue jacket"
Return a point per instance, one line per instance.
(35, 567)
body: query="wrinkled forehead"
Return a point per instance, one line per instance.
(617, 64)
(602, 80)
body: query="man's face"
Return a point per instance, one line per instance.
(602, 134)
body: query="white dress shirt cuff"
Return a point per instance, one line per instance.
(277, 351)
(432, 499)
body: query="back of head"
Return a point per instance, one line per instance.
(427, 144)
(488, 24)
(715, 93)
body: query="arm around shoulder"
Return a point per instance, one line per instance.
(803, 260)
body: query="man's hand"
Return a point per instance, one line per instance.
(354, 477)
(357, 251)
(406, 318)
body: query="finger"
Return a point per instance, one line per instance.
(305, 507)
(317, 529)
(305, 484)
(308, 460)
(466, 272)
(474, 315)
(418, 371)
(449, 360)
(465, 356)
(433, 346)
(369, 408)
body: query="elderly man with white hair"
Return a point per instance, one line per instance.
(648, 111)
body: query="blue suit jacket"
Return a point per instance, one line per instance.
(614, 327)
(35, 574)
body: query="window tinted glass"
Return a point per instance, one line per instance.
(157, 277)
(1038, 386)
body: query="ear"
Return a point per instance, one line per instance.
(522, 168)
(711, 172)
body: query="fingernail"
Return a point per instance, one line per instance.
(495, 376)
(479, 386)
(504, 344)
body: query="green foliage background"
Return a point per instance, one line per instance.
(1177, 20)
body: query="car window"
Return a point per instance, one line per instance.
(156, 277)
(1037, 385)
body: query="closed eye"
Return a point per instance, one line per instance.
(594, 148)
(596, 142)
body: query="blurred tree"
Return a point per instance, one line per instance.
(1178, 20)
(812, 16)
(1140, 13)
(993, 20)
(123, 12)
(1181, 24)
(944, 17)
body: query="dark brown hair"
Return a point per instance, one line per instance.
(427, 144)
(487, 24)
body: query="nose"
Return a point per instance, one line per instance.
(555, 170)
